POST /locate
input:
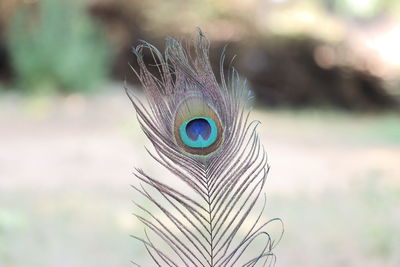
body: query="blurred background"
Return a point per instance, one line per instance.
(326, 76)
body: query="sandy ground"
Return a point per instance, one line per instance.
(66, 164)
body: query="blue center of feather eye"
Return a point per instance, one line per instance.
(199, 132)
(198, 127)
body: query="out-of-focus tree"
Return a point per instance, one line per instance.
(56, 47)
(365, 9)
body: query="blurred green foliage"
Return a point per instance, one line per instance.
(57, 49)
(365, 9)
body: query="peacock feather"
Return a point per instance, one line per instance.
(209, 213)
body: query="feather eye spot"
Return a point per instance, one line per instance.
(199, 132)
(197, 128)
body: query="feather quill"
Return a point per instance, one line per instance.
(203, 136)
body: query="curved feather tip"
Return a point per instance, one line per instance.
(207, 212)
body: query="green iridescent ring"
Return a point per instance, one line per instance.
(198, 132)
